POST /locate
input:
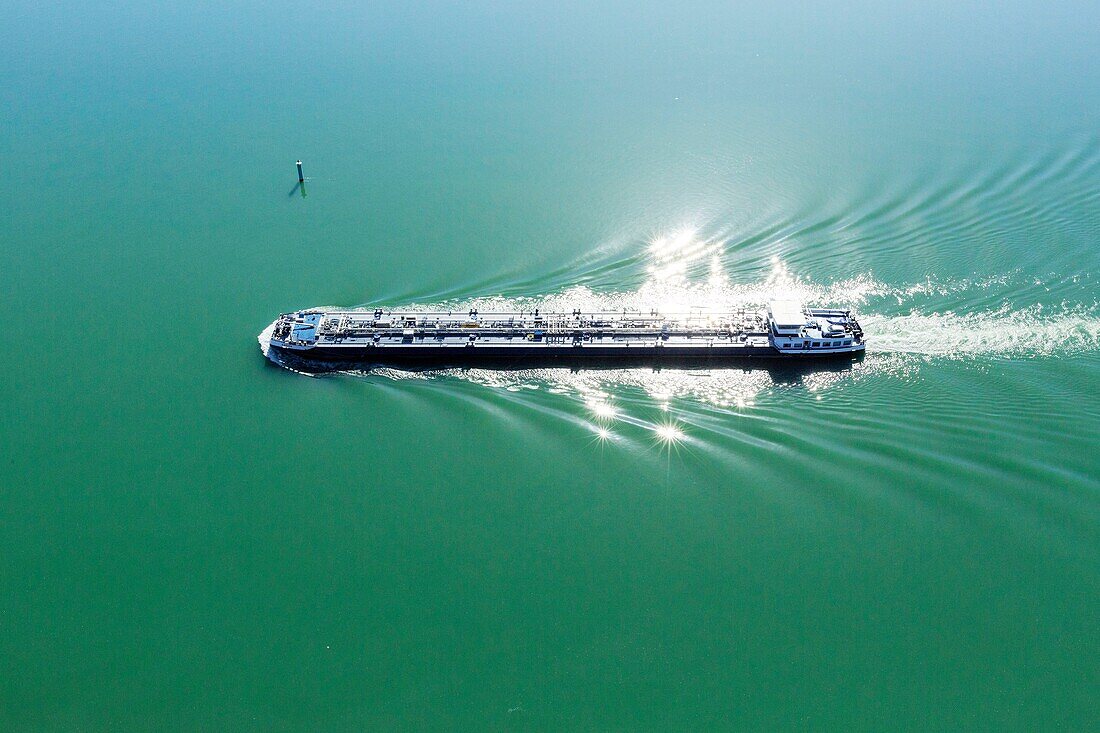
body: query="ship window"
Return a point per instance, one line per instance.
(847, 342)
(815, 344)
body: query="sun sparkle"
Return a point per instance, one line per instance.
(669, 433)
(603, 411)
(602, 434)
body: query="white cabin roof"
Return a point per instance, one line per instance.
(787, 313)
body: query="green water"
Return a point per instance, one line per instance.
(196, 539)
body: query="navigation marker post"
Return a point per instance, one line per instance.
(301, 178)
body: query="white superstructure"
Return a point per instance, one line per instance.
(795, 329)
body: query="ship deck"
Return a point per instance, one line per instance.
(385, 335)
(438, 329)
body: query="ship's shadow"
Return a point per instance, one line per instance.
(782, 371)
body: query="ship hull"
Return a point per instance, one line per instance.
(485, 355)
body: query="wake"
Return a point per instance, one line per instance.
(1024, 333)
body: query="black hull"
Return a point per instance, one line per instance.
(520, 358)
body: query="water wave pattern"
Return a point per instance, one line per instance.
(952, 211)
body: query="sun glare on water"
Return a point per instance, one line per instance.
(669, 433)
(603, 411)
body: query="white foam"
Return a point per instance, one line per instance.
(265, 339)
(1029, 332)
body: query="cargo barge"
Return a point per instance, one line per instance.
(782, 330)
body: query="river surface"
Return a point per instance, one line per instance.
(196, 539)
